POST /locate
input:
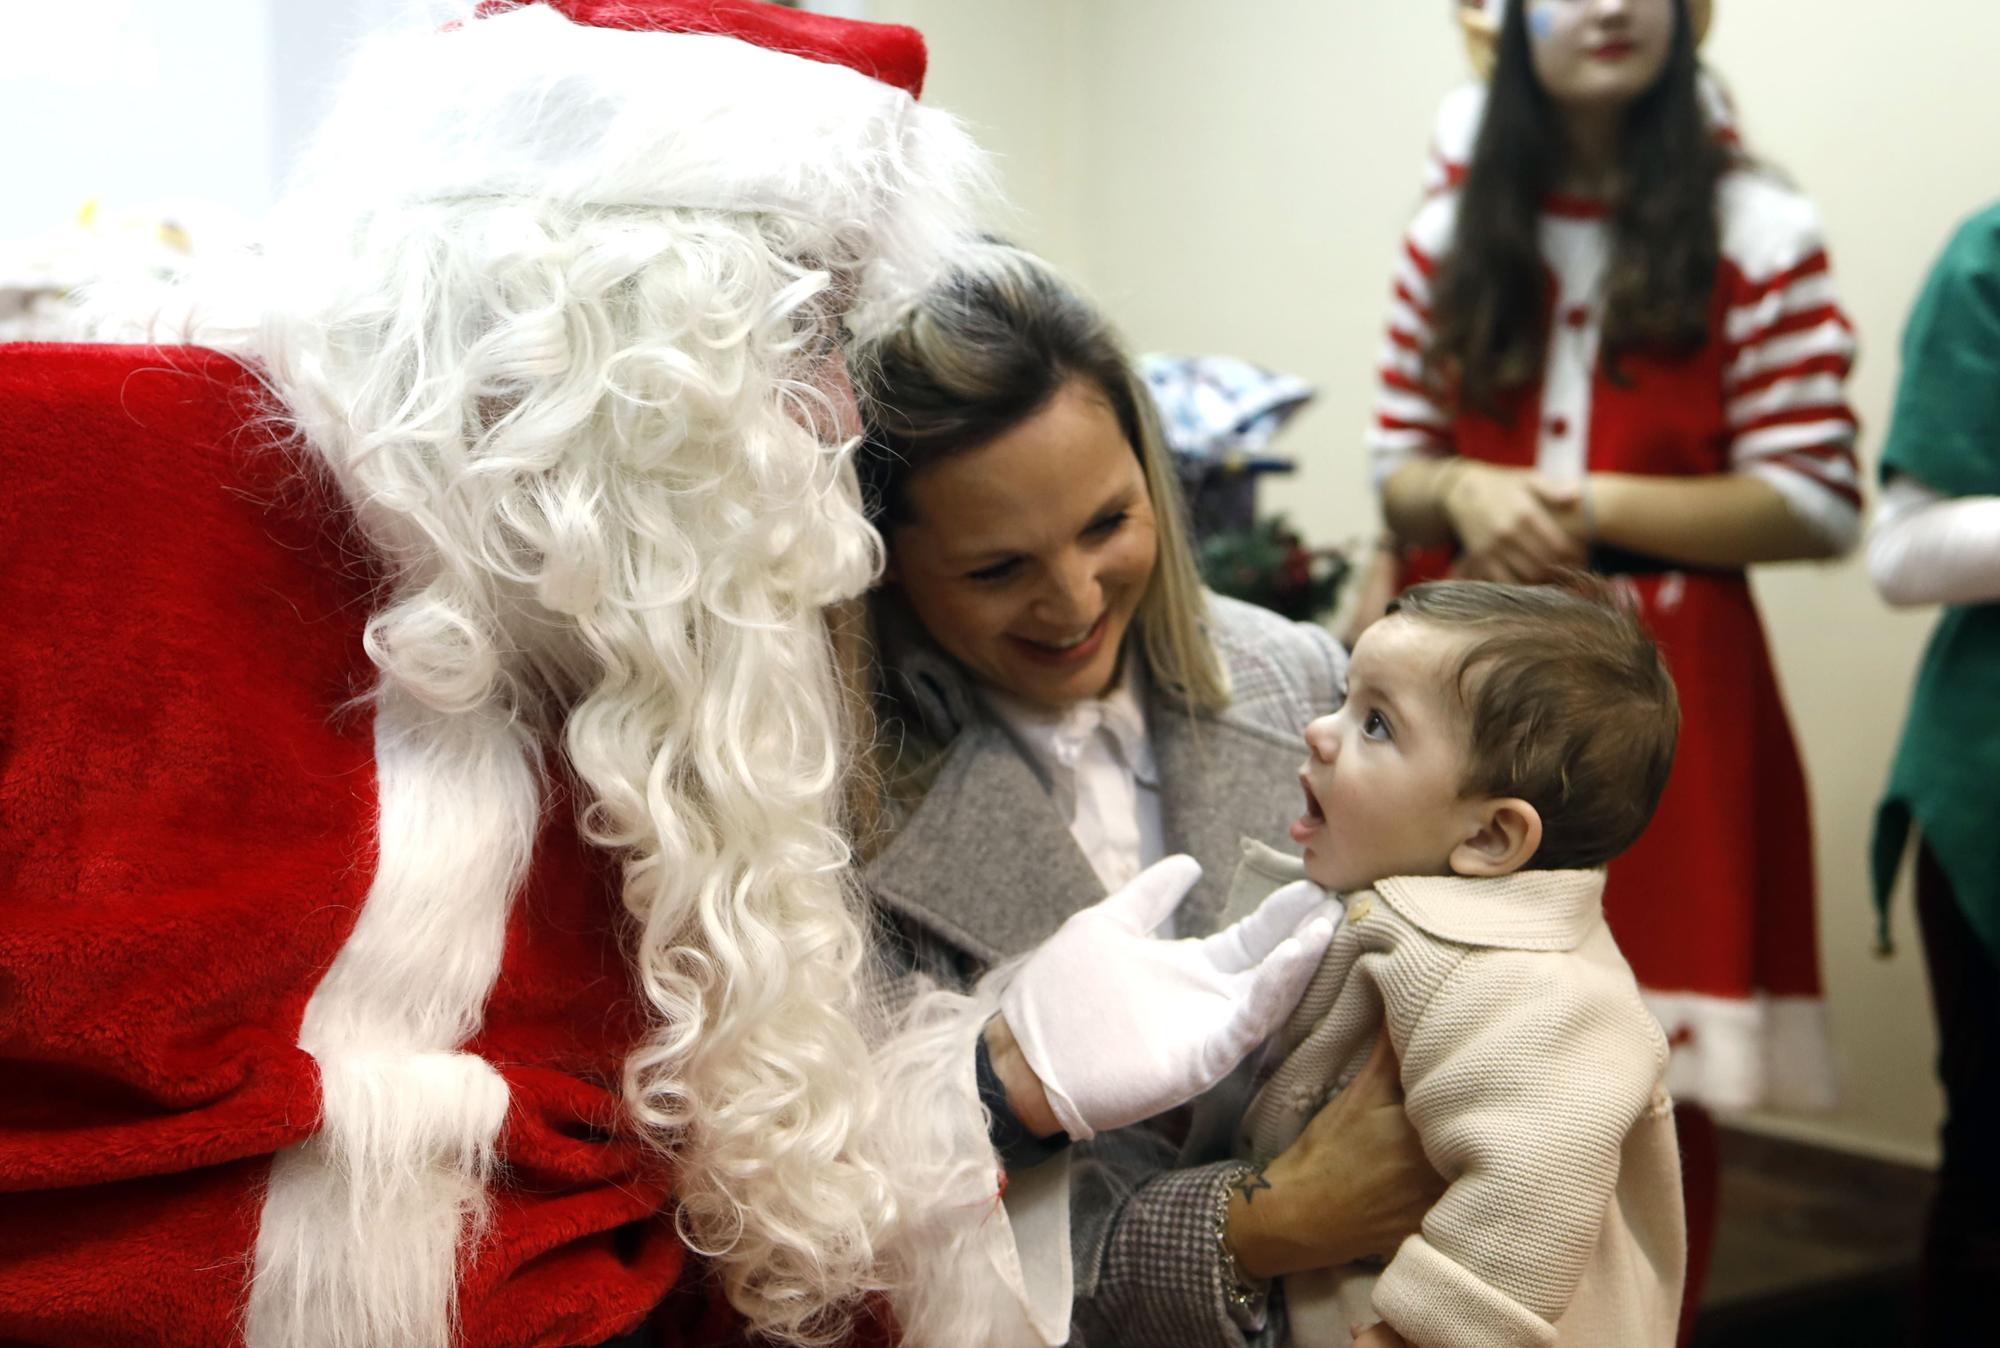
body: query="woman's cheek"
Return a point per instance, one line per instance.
(1555, 41)
(993, 614)
(1551, 20)
(969, 615)
(1140, 555)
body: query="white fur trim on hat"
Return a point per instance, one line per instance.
(526, 103)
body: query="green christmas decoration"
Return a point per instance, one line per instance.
(1269, 564)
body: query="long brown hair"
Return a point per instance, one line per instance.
(1489, 325)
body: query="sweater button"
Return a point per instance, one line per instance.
(1558, 426)
(1359, 908)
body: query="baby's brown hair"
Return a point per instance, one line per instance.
(1569, 705)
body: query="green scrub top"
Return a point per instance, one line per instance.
(1945, 433)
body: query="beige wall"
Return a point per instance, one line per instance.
(1234, 178)
(1010, 71)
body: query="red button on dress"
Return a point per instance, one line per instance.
(1577, 316)
(1558, 425)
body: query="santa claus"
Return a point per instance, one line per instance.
(424, 913)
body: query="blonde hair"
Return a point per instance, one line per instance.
(983, 351)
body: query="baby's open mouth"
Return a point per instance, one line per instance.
(1308, 827)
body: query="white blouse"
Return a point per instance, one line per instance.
(1097, 759)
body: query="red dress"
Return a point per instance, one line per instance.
(188, 841)
(1714, 906)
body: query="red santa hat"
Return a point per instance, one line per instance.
(728, 105)
(889, 52)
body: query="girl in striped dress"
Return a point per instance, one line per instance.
(1616, 343)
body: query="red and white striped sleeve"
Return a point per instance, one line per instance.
(1788, 351)
(1408, 422)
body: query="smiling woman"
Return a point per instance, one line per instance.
(1061, 705)
(1026, 496)
(1026, 558)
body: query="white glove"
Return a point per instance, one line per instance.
(1120, 1025)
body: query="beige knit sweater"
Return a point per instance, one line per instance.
(1532, 1072)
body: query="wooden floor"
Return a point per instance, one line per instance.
(1815, 1247)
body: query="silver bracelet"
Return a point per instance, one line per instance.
(1245, 1296)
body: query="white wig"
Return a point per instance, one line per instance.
(548, 302)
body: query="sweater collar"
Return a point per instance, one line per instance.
(1528, 910)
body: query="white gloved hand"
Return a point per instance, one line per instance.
(1120, 1025)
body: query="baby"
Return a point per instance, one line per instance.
(1498, 745)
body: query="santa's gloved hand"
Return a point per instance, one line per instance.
(1120, 1025)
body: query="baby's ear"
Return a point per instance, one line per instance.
(1507, 832)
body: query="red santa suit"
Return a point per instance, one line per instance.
(189, 841)
(1714, 905)
(189, 774)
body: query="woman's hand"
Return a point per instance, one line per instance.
(1379, 1335)
(1353, 1185)
(1511, 523)
(1118, 1025)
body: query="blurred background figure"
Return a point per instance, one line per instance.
(1937, 541)
(1614, 342)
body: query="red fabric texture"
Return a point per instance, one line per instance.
(889, 52)
(189, 837)
(1717, 897)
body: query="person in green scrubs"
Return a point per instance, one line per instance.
(1937, 541)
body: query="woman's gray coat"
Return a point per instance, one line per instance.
(984, 868)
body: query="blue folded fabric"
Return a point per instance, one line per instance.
(1221, 409)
